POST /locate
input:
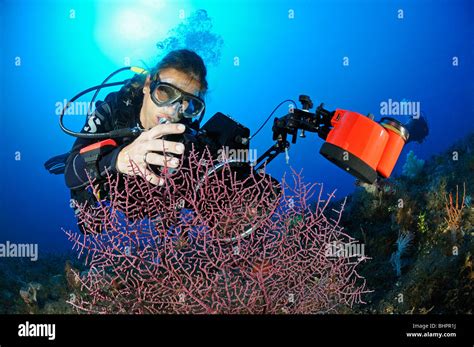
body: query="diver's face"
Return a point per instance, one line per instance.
(152, 114)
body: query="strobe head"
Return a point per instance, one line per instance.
(362, 147)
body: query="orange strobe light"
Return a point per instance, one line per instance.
(363, 147)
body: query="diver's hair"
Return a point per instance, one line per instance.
(182, 60)
(186, 61)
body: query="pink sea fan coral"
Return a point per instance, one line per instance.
(214, 239)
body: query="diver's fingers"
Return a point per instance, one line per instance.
(144, 171)
(158, 159)
(164, 129)
(152, 178)
(160, 145)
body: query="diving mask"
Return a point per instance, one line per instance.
(166, 94)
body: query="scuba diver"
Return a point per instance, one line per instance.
(172, 93)
(135, 131)
(180, 78)
(150, 123)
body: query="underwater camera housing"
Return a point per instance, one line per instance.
(218, 133)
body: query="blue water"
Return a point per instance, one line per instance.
(389, 58)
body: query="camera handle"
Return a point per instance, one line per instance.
(298, 119)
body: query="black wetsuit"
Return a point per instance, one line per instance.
(119, 110)
(115, 113)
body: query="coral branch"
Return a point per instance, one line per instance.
(454, 210)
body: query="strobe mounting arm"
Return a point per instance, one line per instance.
(297, 120)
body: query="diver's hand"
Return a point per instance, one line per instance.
(142, 151)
